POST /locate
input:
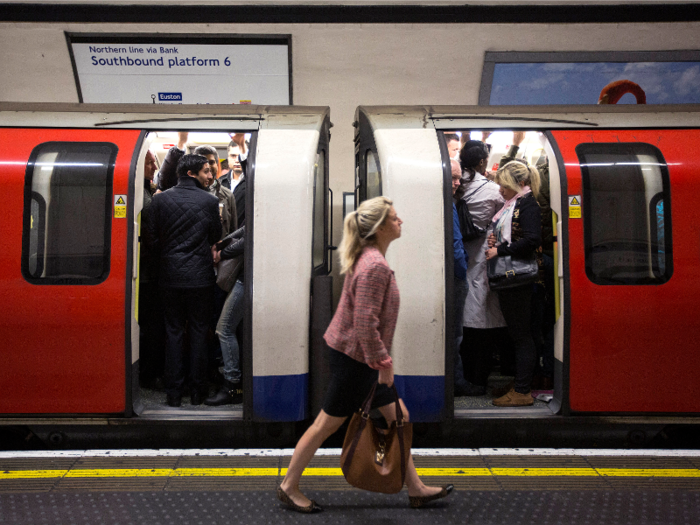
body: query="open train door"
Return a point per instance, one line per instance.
(64, 266)
(321, 278)
(629, 203)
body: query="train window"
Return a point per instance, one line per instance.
(319, 245)
(374, 179)
(67, 225)
(627, 215)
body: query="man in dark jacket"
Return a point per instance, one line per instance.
(184, 224)
(239, 190)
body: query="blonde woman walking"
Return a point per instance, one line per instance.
(359, 338)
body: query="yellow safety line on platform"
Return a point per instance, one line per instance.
(334, 472)
(32, 474)
(651, 472)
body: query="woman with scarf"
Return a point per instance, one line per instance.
(517, 231)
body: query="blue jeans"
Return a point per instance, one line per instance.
(231, 317)
(461, 290)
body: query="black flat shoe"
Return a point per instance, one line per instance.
(417, 502)
(196, 398)
(313, 508)
(174, 401)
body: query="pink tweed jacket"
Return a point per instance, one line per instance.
(364, 323)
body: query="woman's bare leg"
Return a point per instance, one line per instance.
(415, 485)
(321, 429)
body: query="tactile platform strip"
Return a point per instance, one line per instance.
(354, 507)
(207, 473)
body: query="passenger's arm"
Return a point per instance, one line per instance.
(149, 235)
(215, 227)
(239, 139)
(235, 248)
(370, 288)
(182, 137)
(458, 245)
(531, 229)
(518, 137)
(234, 212)
(168, 171)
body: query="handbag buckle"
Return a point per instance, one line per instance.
(510, 273)
(379, 455)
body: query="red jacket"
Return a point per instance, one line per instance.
(364, 323)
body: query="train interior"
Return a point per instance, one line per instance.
(547, 327)
(150, 399)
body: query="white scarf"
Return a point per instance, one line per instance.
(503, 219)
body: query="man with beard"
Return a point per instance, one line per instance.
(227, 204)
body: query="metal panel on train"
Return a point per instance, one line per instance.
(63, 268)
(634, 253)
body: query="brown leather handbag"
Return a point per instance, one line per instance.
(373, 459)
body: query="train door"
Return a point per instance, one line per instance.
(368, 183)
(633, 254)
(64, 270)
(322, 281)
(148, 330)
(287, 234)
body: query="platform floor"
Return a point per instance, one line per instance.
(493, 486)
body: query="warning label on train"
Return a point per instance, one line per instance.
(574, 206)
(182, 74)
(120, 206)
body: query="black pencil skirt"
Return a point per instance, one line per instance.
(350, 383)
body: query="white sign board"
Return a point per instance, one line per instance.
(183, 74)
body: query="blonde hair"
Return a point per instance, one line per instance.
(515, 172)
(359, 229)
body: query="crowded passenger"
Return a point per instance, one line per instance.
(227, 204)
(151, 341)
(240, 186)
(484, 326)
(453, 145)
(231, 247)
(543, 317)
(517, 233)
(236, 160)
(461, 286)
(183, 224)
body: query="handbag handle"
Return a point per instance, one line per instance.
(367, 405)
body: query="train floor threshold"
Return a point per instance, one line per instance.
(499, 486)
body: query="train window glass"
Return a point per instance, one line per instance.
(319, 209)
(374, 179)
(627, 216)
(68, 207)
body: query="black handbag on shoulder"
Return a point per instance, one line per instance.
(470, 231)
(508, 272)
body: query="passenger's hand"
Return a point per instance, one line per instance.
(491, 240)
(518, 137)
(491, 253)
(216, 254)
(239, 139)
(386, 376)
(182, 137)
(157, 192)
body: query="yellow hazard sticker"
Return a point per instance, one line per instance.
(120, 206)
(574, 206)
